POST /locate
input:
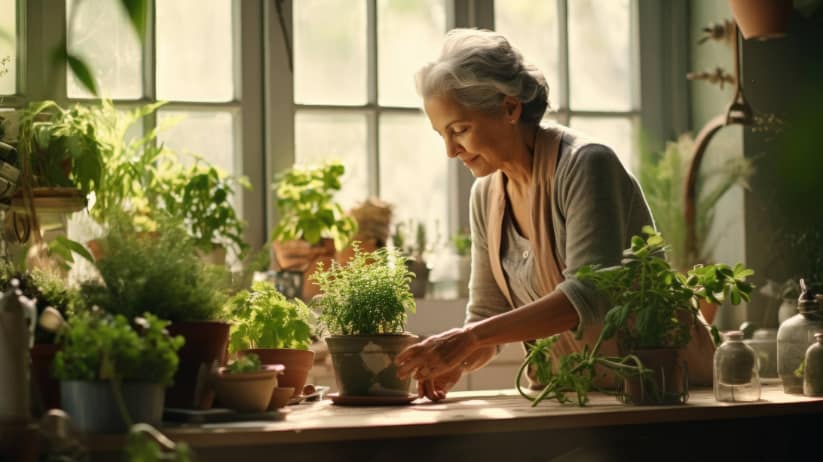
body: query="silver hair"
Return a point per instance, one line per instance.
(478, 68)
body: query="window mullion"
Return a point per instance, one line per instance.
(564, 92)
(372, 92)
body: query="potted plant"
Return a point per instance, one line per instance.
(414, 253)
(373, 218)
(113, 373)
(245, 385)
(654, 310)
(61, 162)
(363, 305)
(663, 176)
(143, 176)
(311, 226)
(277, 330)
(762, 19)
(163, 274)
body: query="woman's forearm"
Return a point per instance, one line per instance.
(547, 316)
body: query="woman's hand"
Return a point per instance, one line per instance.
(437, 355)
(436, 388)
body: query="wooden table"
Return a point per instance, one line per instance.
(495, 425)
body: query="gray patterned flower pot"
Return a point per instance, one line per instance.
(364, 365)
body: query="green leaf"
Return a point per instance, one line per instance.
(82, 71)
(137, 11)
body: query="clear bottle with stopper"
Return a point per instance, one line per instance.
(813, 368)
(736, 376)
(795, 336)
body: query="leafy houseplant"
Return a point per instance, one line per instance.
(137, 362)
(161, 272)
(654, 308)
(363, 305)
(268, 325)
(312, 226)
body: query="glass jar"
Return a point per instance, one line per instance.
(764, 343)
(813, 368)
(794, 337)
(735, 370)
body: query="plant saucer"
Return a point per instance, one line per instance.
(342, 400)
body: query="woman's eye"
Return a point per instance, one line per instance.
(458, 131)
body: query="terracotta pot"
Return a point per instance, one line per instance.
(762, 19)
(368, 245)
(708, 310)
(248, 391)
(666, 384)
(364, 365)
(204, 350)
(298, 363)
(304, 257)
(48, 388)
(280, 397)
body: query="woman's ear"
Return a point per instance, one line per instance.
(512, 108)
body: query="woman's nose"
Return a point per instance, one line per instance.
(452, 149)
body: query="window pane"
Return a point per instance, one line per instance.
(409, 34)
(413, 167)
(8, 50)
(103, 36)
(209, 134)
(325, 136)
(195, 44)
(532, 28)
(599, 55)
(330, 52)
(615, 132)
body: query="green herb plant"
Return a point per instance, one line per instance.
(158, 272)
(369, 295)
(265, 318)
(60, 146)
(99, 346)
(306, 206)
(244, 364)
(653, 306)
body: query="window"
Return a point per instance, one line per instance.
(355, 100)
(8, 51)
(587, 53)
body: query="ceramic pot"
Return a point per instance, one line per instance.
(762, 19)
(247, 391)
(297, 364)
(421, 277)
(364, 365)
(204, 350)
(93, 408)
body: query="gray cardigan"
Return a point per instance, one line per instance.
(596, 206)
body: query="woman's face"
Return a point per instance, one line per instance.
(482, 141)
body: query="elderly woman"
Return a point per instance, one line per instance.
(546, 202)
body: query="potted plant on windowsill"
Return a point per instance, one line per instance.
(162, 273)
(277, 330)
(112, 373)
(312, 227)
(246, 385)
(414, 253)
(61, 162)
(654, 310)
(363, 305)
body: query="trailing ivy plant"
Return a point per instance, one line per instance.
(265, 318)
(305, 201)
(369, 295)
(653, 306)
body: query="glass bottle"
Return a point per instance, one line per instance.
(794, 337)
(813, 368)
(735, 370)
